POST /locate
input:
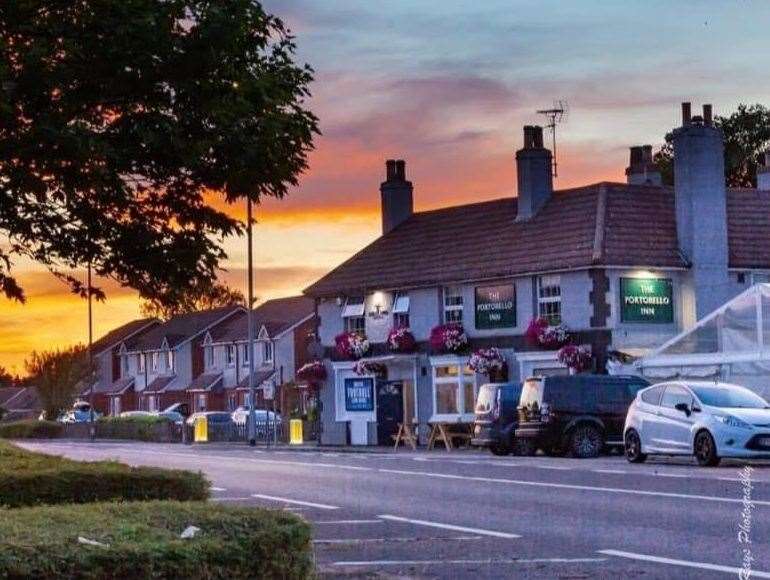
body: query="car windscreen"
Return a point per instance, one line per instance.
(735, 398)
(486, 399)
(531, 393)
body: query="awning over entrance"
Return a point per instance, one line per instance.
(206, 382)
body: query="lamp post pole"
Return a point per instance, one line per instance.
(250, 325)
(92, 425)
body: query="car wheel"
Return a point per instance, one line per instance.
(524, 447)
(586, 441)
(500, 449)
(706, 450)
(634, 447)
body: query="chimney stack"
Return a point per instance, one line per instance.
(534, 174)
(763, 173)
(396, 195)
(701, 212)
(642, 170)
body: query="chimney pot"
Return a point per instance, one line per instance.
(642, 170)
(647, 153)
(686, 114)
(390, 170)
(537, 137)
(636, 156)
(401, 170)
(707, 115)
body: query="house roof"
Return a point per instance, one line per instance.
(122, 333)
(275, 315)
(604, 224)
(120, 386)
(259, 378)
(159, 384)
(206, 382)
(20, 399)
(180, 328)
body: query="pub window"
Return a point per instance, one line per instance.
(401, 310)
(230, 355)
(353, 314)
(454, 392)
(453, 305)
(549, 298)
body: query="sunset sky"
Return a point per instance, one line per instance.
(448, 86)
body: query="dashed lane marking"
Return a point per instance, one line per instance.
(218, 489)
(354, 541)
(618, 471)
(231, 498)
(340, 522)
(468, 562)
(443, 526)
(685, 563)
(321, 506)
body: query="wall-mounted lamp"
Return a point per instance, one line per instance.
(378, 305)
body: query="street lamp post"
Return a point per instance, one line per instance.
(250, 326)
(92, 425)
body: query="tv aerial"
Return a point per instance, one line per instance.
(554, 116)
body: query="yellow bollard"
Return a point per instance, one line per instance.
(295, 432)
(201, 430)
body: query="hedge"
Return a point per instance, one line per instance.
(28, 478)
(142, 540)
(31, 429)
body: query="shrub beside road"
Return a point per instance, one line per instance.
(31, 429)
(142, 540)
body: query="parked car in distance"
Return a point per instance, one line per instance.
(182, 408)
(496, 417)
(173, 416)
(212, 417)
(80, 413)
(706, 419)
(580, 415)
(241, 415)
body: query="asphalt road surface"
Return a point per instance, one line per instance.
(468, 514)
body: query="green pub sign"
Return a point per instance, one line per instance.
(646, 300)
(495, 306)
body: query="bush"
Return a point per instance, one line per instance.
(31, 429)
(30, 478)
(142, 541)
(139, 427)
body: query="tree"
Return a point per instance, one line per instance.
(747, 136)
(118, 117)
(194, 300)
(6, 379)
(58, 375)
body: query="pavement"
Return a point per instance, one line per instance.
(439, 514)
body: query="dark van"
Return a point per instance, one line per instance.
(579, 415)
(496, 414)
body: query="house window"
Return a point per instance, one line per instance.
(245, 354)
(454, 392)
(140, 362)
(267, 352)
(124, 365)
(230, 355)
(170, 360)
(353, 314)
(549, 298)
(453, 305)
(760, 277)
(155, 359)
(401, 310)
(152, 403)
(209, 356)
(200, 402)
(114, 406)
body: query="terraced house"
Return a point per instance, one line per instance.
(620, 267)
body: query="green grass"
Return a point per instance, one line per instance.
(143, 542)
(28, 478)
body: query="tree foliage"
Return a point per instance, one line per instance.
(747, 136)
(59, 375)
(118, 118)
(193, 300)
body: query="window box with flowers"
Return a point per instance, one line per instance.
(448, 338)
(312, 372)
(364, 367)
(489, 362)
(401, 340)
(351, 345)
(546, 336)
(576, 358)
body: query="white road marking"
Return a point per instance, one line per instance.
(730, 479)
(492, 533)
(411, 539)
(560, 468)
(465, 562)
(348, 522)
(620, 471)
(571, 486)
(671, 475)
(674, 562)
(218, 489)
(321, 506)
(231, 498)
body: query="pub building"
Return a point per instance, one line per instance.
(622, 267)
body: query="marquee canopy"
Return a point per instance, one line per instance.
(731, 344)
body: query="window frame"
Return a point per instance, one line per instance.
(141, 362)
(354, 314)
(455, 308)
(401, 306)
(246, 353)
(268, 348)
(155, 361)
(459, 376)
(545, 300)
(170, 361)
(230, 355)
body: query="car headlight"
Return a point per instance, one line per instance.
(731, 421)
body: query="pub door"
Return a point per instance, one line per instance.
(390, 410)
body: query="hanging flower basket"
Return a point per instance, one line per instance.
(448, 338)
(576, 358)
(369, 367)
(544, 335)
(401, 340)
(312, 372)
(490, 362)
(351, 345)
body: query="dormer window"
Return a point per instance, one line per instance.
(267, 352)
(353, 314)
(170, 360)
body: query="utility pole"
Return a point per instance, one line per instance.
(92, 426)
(250, 324)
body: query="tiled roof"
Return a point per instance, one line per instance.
(180, 328)
(206, 382)
(120, 386)
(19, 399)
(7, 394)
(275, 315)
(259, 378)
(159, 384)
(610, 224)
(118, 335)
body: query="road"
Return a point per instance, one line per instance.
(453, 515)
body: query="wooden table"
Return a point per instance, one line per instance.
(406, 435)
(445, 432)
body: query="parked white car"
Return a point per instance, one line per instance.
(241, 417)
(706, 419)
